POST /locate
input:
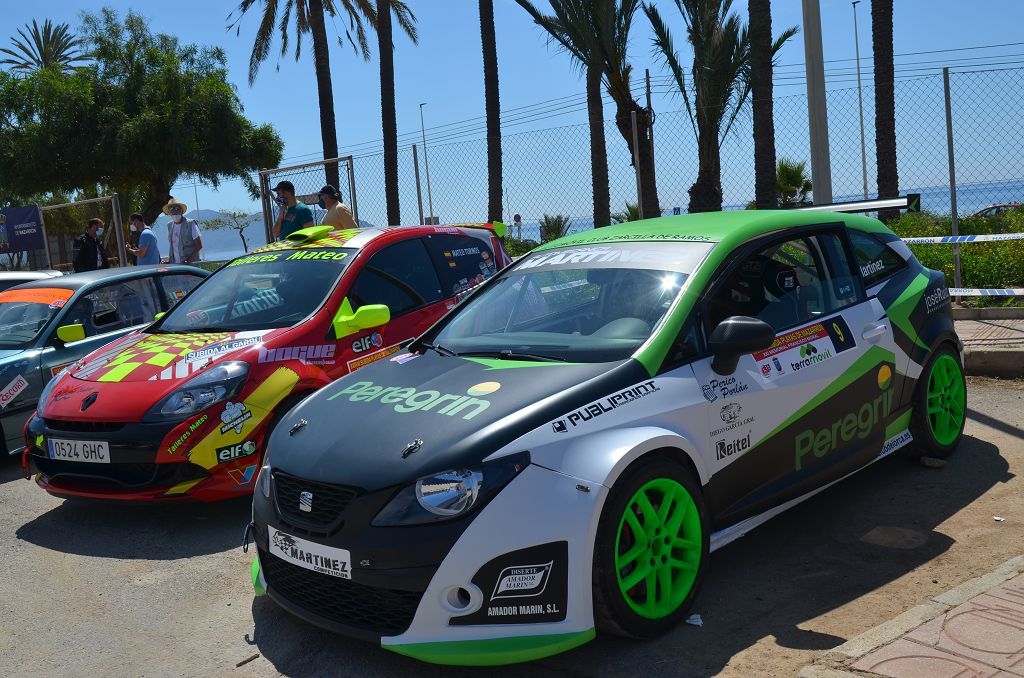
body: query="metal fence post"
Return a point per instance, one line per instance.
(952, 176)
(115, 206)
(636, 166)
(46, 241)
(416, 169)
(268, 225)
(352, 188)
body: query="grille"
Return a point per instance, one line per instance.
(83, 426)
(329, 502)
(386, 612)
(118, 475)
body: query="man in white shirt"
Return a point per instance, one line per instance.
(182, 234)
(338, 214)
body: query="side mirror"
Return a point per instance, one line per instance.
(736, 336)
(372, 315)
(159, 315)
(70, 333)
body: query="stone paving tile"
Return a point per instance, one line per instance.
(978, 333)
(906, 659)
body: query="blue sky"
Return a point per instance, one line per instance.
(445, 69)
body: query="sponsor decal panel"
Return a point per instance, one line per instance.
(327, 560)
(11, 391)
(188, 432)
(213, 351)
(317, 354)
(527, 586)
(408, 399)
(805, 347)
(603, 406)
(234, 417)
(365, 360)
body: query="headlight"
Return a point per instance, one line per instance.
(48, 391)
(450, 494)
(263, 481)
(206, 389)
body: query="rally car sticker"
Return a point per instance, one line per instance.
(11, 391)
(38, 295)
(364, 360)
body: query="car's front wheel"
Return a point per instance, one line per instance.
(940, 405)
(650, 550)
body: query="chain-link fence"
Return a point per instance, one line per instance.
(547, 172)
(308, 178)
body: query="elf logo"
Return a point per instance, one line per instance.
(727, 448)
(844, 429)
(236, 451)
(367, 343)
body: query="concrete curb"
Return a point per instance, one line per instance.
(1006, 362)
(833, 664)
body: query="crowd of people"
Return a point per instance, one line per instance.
(184, 239)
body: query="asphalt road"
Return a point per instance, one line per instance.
(115, 590)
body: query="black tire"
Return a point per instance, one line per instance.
(612, 613)
(926, 443)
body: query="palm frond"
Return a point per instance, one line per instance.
(665, 48)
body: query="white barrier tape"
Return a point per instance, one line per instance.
(957, 239)
(975, 292)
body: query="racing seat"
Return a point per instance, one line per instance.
(789, 307)
(83, 313)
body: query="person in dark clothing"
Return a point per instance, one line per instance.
(88, 248)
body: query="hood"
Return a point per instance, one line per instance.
(463, 409)
(162, 357)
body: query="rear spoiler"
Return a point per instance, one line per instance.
(498, 227)
(911, 202)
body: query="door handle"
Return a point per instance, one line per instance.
(874, 331)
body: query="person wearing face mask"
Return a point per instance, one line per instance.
(88, 248)
(338, 214)
(294, 216)
(147, 251)
(182, 234)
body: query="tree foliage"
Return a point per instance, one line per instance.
(237, 220)
(553, 227)
(52, 46)
(148, 111)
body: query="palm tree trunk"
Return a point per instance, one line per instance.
(765, 184)
(624, 123)
(325, 91)
(387, 106)
(706, 192)
(885, 104)
(598, 150)
(492, 105)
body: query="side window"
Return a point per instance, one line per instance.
(400, 276)
(876, 260)
(115, 307)
(845, 288)
(784, 284)
(176, 285)
(462, 261)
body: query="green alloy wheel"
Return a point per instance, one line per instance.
(651, 550)
(940, 405)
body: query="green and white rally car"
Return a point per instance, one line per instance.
(559, 454)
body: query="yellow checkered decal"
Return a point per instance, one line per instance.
(335, 239)
(156, 350)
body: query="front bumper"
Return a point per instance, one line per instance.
(402, 578)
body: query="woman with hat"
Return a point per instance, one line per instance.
(338, 214)
(182, 234)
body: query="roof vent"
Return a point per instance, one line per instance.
(309, 234)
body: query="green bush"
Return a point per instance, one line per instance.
(985, 265)
(516, 247)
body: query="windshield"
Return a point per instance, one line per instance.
(594, 303)
(260, 291)
(24, 314)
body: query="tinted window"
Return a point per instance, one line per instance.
(115, 307)
(463, 261)
(876, 260)
(176, 286)
(400, 276)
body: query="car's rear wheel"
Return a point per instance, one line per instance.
(940, 405)
(650, 550)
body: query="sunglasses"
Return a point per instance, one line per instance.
(174, 210)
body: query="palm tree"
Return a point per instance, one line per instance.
(553, 227)
(389, 122)
(721, 83)
(492, 106)
(759, 18)
(309, 18)
(792, 185)
(885, 103)
(571, 26)
(51, 45)
(631, 213)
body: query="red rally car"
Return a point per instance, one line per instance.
(181, 408)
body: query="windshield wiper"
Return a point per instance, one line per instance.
(442, 350)
(507, 354)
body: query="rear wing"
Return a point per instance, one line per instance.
(911, 202)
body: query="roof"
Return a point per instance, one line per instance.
(28, 275)
(76, 281)
(355, 237)
(732, 227)
(338, 238)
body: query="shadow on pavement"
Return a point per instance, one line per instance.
(992, 422)
(133, 531)
(797, 567)
(10, 468)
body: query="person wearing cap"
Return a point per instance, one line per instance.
(182, 234)
(294, 216)
(338, 214)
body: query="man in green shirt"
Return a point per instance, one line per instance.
(294, 215)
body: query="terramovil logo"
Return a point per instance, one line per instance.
(608, 404)
(522, 581)
(937, 299)
(408, 399)
(367, 343)
(810, 355)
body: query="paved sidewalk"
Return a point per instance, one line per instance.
(973, 630)
(976, 333)
(993, 348)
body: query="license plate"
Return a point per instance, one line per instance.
(92, 451)
(310, 555)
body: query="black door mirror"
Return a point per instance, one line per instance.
(736, 336)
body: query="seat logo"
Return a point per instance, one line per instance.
(306, 501)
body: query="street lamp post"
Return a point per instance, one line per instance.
(860, 104)
(426, 163)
